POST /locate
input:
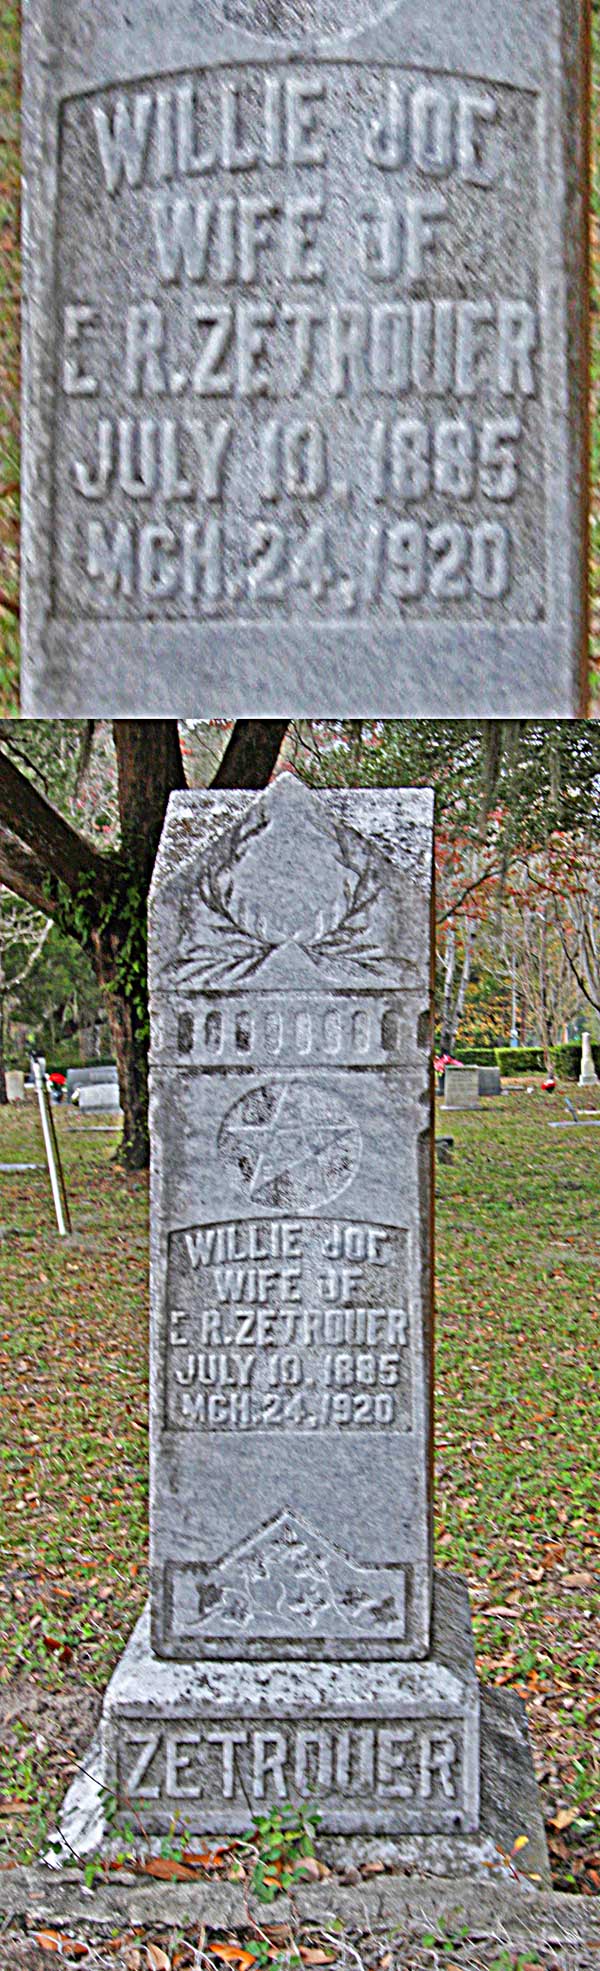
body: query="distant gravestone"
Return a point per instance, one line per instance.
(78, 1078)
(588, 1077)
(461, 1088)
(305, 357)
(99, 1096)
(490, 1082)
(15, 1085)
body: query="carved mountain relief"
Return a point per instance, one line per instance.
(287, 1580)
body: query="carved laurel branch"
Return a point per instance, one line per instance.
(339, 936)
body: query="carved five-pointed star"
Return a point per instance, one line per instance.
(287, 1143)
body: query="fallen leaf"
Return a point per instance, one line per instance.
(565, 1817)
(157, 1958)
(165, 1870)
(233, 1954)
(310, 1956)
(373, 1868)
(521, 1842)
(48, 1940)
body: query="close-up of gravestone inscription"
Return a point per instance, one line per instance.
(303, 421)
(291, 1198)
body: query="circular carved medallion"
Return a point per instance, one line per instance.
(291, 1145)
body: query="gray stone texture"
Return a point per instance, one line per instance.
(385, 1748)
(99, 1097)
(489, 1082)
(305, 330)
(290, 954)
(15, 1085)
(461, 1088)
(89, 1078)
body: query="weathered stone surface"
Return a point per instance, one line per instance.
(99, 1096)
(15, 1085)
(386, 1748)
(290, 957)
(489, 1082)
(461, 1088)
(89, 1078)
(510, 1807)
(588, 1077)
(304, 376)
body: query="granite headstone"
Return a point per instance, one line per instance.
(93, 1077)
(290, 1644)
(461, 1088)
(305, 358)
(99, 1096)
(490, 1082)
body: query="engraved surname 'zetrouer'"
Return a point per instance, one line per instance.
(426, 127)
(248, 349)
(328, 1327)
(403, 1759)
(155, 136)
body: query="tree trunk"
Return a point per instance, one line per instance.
(131, 1056)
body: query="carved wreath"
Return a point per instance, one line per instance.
(336, 938)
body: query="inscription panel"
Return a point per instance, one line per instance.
(304, 377)
(305, 299)
(393, 1776)
(288, 1325)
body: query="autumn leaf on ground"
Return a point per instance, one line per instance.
(233, 1954)
(157, 1958)
(165, 1870)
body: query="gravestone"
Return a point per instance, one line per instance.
(588, 1077)
(489, 1082)
(78, 1078)
(305, 358)
(99, 1096)
(290, 1643)
(461, 1088)
(15, 1085)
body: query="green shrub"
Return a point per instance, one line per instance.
(520, 1060)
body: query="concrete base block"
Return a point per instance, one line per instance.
(392, 1753)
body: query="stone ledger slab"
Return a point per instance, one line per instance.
(305, 358)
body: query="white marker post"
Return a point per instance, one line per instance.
(57, 1181)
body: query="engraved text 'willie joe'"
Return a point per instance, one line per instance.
(313, 385)
(288, 1325)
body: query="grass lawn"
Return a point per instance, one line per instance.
(518, 1418)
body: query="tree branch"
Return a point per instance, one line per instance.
(21, 873)
(252, 753)
(55, 845)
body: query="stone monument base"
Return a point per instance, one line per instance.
(384, 1748)
(391, 1753)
